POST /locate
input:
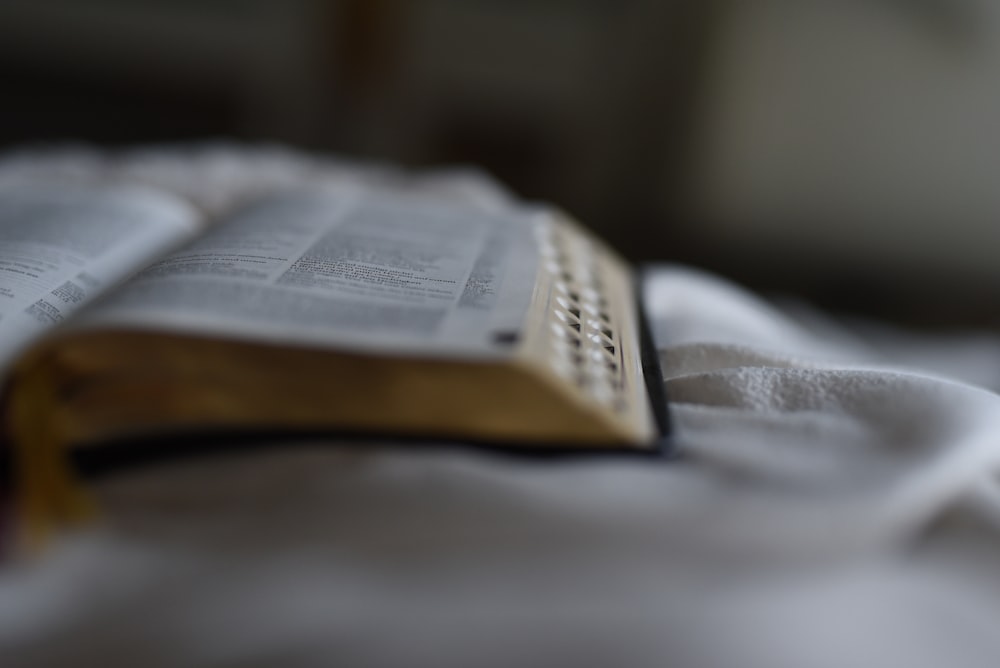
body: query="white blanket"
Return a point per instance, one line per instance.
(834, 503)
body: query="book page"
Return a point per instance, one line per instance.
(360, 270)
(61, 247)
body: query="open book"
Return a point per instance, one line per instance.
(354, 311)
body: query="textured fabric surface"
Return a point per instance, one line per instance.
(835, 502)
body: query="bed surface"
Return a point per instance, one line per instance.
(834, 502)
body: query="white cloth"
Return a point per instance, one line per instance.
(832, 505)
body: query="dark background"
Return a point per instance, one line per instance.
(844, 152)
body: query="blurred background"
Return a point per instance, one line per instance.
(842, 151)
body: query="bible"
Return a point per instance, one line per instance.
(131, 326)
